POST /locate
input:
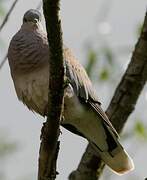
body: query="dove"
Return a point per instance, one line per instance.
(28, 56)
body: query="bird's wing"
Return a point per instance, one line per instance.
(78, 77)
(82, 85)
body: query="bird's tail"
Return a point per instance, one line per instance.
(105, 143)
(108, 145)
(117, 159)
(98, 130)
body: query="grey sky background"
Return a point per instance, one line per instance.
(80, 23)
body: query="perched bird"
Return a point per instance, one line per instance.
(28, 56)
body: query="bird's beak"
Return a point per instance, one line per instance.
(39, 24)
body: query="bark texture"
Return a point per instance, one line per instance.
(50, 131)
(121, 106)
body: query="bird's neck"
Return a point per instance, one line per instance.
(30, 26)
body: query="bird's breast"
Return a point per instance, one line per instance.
(27, 51)
(32, 89)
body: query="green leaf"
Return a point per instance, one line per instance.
(92, 58)
(140, 129)
(2, 11)
(7, 146)
(104, 74)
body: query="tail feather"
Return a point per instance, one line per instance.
(104, 142)
(118, 160)
(96, 127)
(114, 155)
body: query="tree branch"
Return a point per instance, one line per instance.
(2, 26)
(8, 15)
(50, 130)
(121, 106)
(3, 61)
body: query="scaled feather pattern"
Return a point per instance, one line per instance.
(28, 56)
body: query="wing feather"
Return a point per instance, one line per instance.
(82, 86)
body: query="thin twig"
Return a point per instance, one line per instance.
(8, 14)
(3, 62)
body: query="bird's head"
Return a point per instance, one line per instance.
(32, 18)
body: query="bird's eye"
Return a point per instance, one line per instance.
(35, 20)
